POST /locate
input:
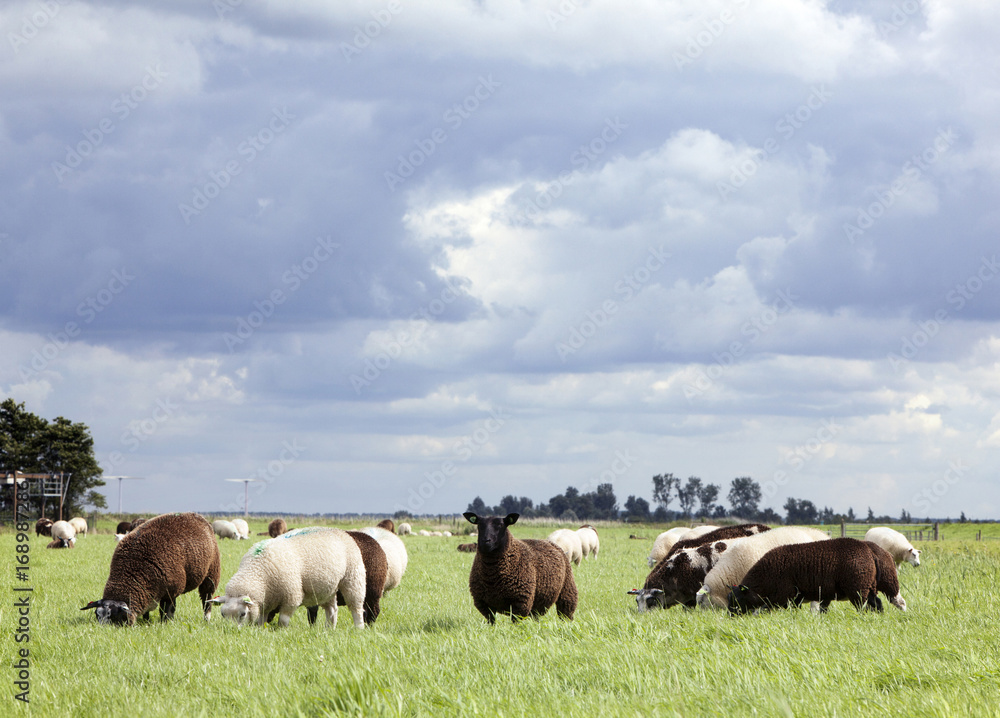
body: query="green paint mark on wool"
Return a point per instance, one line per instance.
(258, 548)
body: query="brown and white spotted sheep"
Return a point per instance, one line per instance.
(720, 534)
(676, 580)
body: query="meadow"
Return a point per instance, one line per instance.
(431, 654)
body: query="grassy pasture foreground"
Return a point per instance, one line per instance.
(431, 654)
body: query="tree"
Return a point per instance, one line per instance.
(707, 496)
(512, 505)
(688, 494)
(800, 511)
(871, 515)
(744, 497)
(605, 502)
(664, 486)
(636, 509)
(478, 506)
(32, 444)
(962, 518)
(904, 517)
(850, 515)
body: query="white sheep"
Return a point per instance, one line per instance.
(423, 532)
(305, 567)
(569, 542)
(225, 529)
(895, 543)
(446, 533)
(79, 525)
(64, 532)
(589, 540)
(404, 529)
(242, 529)
(741, 554)
(664, 542)
(395, 554)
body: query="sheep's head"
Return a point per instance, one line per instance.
(493, 534)
(241, 609)
(743, 599)
(913, 556)
(116, 613)
(647, 599)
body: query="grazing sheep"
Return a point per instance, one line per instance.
(570, 543)
(123, 527)
(395, 554)
(588, 538)
(467, 547)
(697, 538)
(740, 556)
(64, 531)
(895, 543)
(59, 543)
(522, 577)
(242, 529)
(387, 524)
(664, 542)
(306, 567)
(43, 527)
(886, 578)
(841, 569)
(79, 524)
(167, 556)
(225, 529)
(423, 532)
(446, 533)
(376, 569)
(276, 528)
(404, 529)
(136, 523)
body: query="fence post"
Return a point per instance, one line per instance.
(843, 529)
(935, 531)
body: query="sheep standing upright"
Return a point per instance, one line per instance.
(395, 554)
(590, 541)
(522, 577)
(569, 542)
(165, 557)
(43, 527)
(886, 578)
(895, 543)
(404, 529)
(376, 569)
(123, 527)
(79, 525)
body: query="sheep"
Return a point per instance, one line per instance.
(395, 554)
(165, 557)
(588, 537)
(59, 543)
(664, 542)
(387, 524)
(79, 524)
(119, 537)
(225, 529)
(522, 577)
(740, 556)
(306, 567)
(276, 528)
(446, 533)
(841, 569)
(242, 529)
(423, 532)
(677, 578)
(404, 529)
(570, 543)
(467, 547)
(43, 527)
(136, 523)
(699, 537)
(895, 543)
(376, 569)
(63, 531)
(886, 578)
(123, 527)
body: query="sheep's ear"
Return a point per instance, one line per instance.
(249, 601)
(92, 604)
(217, 599)
(510, 519)
(471, 517)
(633, 592)
(655, 592)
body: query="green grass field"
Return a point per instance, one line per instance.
(431, 654)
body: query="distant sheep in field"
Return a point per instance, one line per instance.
(387, 524)
(225, 529)
(276, 528)
(404, 529)
(842, 569)
(123, 527)
(63, 532)
(467, 547)
(570, 543)
(895, 543)
(521, 577)
(79, 524)
(242, 529)
(164, 558)
(589, 540)
(43, 527)
(664, 542)
(423, 532)
(446, 533)
(59, 543)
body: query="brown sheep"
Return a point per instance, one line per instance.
(123, 527)
(720, 534)
(276, 528)
(675, 580)
(376, 570)
(886, 577)
(60, 543)
(387, 524)
(842, 569)
(520, 577)
(467, 547)
(136, 524)
(165, 557)
(43, 527)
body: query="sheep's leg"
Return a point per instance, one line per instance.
(167, 608)
(285, 617)
(566, 602)
(372, 608)
(205, 591)
(331, 614)
(312, 612)
(488, 613)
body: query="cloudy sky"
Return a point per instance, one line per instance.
(394, 255)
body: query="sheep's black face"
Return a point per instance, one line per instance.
(116, 613)
(493, 534)
(743, 599)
